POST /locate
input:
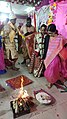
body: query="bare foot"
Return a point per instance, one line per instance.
(49, 85)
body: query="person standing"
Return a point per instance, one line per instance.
(2, 63)
(27, 44)
(41, 41)
(56, 58)
(9, 32)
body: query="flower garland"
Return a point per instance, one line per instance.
(52, 12)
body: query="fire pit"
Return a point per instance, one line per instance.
(21, 105)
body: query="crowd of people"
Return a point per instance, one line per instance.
(44, 52)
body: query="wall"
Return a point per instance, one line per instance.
(42, 16)
(61, 18)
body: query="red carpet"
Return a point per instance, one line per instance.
(1, 88)
(16, 82)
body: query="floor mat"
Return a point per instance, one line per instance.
(16, 82)
(1, 88)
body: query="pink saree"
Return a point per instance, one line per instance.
(2, 64)
(56, 68)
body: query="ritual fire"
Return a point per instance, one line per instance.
(21, 105)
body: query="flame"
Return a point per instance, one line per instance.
(22, 93)
(21, 81)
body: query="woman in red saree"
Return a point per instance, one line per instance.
(28, 43)
(56, 58)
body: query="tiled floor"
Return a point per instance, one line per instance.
(56, 111)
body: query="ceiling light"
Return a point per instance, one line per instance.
(3, 17)
(4, 7)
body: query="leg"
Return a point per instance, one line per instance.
(49, 85)
(14, 58)
(25, 53)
